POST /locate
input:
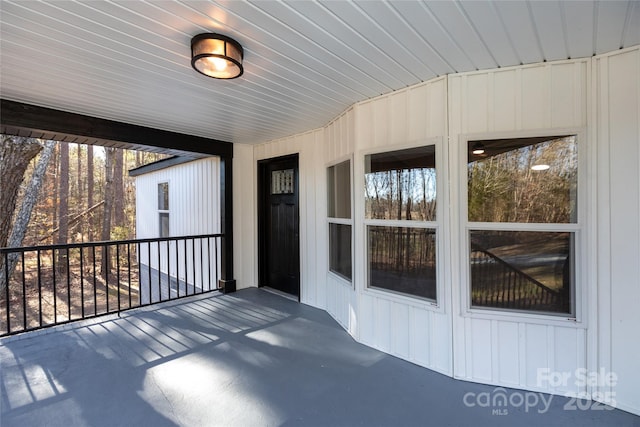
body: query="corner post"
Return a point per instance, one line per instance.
(227, 283)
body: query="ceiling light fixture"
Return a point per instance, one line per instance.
(477, 148)
(217, 56)
(540, 167)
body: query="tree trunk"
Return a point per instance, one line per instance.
(63, 203)
(15, 155)
(90, 190)
(29, 200)
(118, 189)
(105, 264)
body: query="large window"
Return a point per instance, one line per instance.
(163, 209)
(400, 220)
(522, 214)
(339, 219)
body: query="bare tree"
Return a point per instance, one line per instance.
(15, 155)
(19, 227)
(118, 190)
(108, 208)
(90, 184)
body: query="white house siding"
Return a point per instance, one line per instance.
(598, 98)
(508, 350)
(408, 328)
(194, 194)
(616, 114)
(245, 222)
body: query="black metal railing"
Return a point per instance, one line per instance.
(497, 283)
(43, 286)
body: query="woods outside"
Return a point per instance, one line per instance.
(59, 193)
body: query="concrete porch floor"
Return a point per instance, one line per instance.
(246, 359)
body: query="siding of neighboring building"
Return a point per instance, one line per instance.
(194, 195)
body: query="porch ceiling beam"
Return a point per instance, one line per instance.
(21, 119)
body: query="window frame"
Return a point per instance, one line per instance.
(162, 212)
(577, 228)
(440, 226)
(341, 221)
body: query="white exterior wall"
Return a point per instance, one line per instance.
(194, 209)
(509, 349)
(194, 199)
(615, 338)
(597, 98)
(409, 328)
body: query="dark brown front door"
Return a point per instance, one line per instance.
(278, 224)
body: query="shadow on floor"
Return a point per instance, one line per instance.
(246, 359)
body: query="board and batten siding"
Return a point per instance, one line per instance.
(309, 147)
(410, 328)
(616, 114)
(194, 209)
(509, 349)
(597, 98)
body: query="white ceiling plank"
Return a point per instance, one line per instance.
(326, 47)
(463, 33)
(305, 62)
(373, 42)
(420, 17)
(631, 32)
(494, 32)
(548, 19)
(521, 30)
(580, 22)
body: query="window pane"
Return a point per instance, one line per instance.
(403, 259)
(525, 180)
(401, 184)
(522, 270)
(340, 250)
(339, 190)
(163, 196)
(164, 224)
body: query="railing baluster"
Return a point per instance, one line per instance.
(24, 294)
(169, 268)
(186, 270)
(177, 270)
(118, 272)
(159, 273)
(209, 260)
(129, 270)
(55, 286)
(81, 284)
(95, 285)
(193, 263)
(68, 285)
(39, 284)
(6, 289)
(107, 269)
(201, 268)
(215, 259)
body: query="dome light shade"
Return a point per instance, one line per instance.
(217, 56)
(477, 148)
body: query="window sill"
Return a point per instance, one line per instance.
(399, 298)
(524, 317)
(340, 279)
